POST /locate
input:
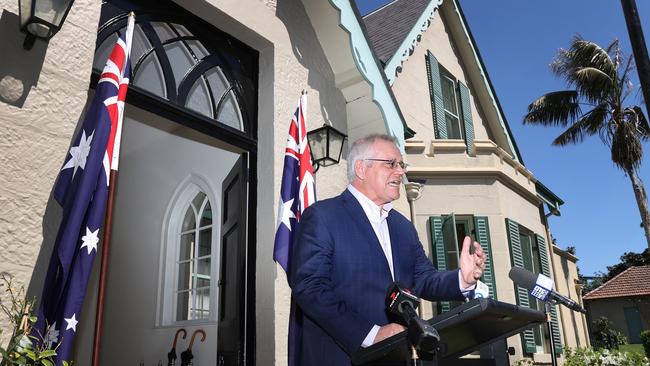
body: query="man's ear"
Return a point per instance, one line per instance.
(360, 169)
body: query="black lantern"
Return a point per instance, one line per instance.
(326, 145)
(42, 18)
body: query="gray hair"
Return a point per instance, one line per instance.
(362, 149)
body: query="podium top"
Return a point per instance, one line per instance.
(462, 330)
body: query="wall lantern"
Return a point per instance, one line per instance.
(42, 18)
(326, 145)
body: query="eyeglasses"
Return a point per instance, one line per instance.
(391, 163)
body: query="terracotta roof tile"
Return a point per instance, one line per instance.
(634, 281)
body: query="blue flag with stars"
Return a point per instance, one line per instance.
(82, 191)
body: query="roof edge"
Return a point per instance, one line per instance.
(405, 50)
(487, 81)
(594, 291)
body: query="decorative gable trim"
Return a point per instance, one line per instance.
(405, 50)
(371, 105)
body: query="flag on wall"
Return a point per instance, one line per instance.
(82, 190)
(297, 191)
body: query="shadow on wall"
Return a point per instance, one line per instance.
(51, 221)
(19, 68)
(308, 52)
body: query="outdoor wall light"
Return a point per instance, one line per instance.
(42, 18)
(326, 145)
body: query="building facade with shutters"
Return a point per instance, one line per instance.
(213, 89)
(467, 175)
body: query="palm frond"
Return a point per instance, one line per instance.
(590, 123)
(613, 46)
(629, 66)
(572, 135)
(581, 54)
(593, 84)
(558, 108)
(596, 119)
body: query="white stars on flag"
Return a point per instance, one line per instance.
(72, 323)
(286, 213)
(90, 240)
(79, 153)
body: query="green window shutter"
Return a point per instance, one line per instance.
(482, 228)
(546, 271)
(435, 92)
(466, 115)
(439, 253)
(517, 260)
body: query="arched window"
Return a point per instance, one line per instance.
(193, 263)
(190, 266)
(201, 71)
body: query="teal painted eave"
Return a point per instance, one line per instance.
(551, 199)
(371, 71)
(394, 65)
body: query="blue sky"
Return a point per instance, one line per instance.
(517, 41)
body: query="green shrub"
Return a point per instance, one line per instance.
(602, 357)
(645, 340)
(524, 362)
(23, 348)
(605, 336)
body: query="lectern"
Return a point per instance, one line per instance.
(462, 330)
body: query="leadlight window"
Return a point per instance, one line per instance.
(210, 76)
(193, 263)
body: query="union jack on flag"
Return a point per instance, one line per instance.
(297, 191)
(82, 191)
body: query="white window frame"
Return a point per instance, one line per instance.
(170, 251)
(447, 80)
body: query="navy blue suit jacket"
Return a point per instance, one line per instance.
(340, 276)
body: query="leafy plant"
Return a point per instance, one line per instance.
(24, 348)
(602, 357)
(524, 362)
(605, 336)
(645, 340)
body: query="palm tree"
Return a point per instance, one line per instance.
(595, 106)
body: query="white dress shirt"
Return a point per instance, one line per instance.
(377, 217)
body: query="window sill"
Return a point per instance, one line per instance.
(449, 146)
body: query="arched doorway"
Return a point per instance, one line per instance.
(183, 233)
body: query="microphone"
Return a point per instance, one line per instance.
(541, 287)
(422, 335)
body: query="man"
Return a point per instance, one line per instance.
(350, 248)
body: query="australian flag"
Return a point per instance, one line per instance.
(296, 194)
(297, 191)
(82, 191)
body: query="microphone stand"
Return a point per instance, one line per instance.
(549, 325)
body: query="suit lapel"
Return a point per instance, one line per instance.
(361, 221)
(394, 239)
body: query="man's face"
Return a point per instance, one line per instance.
(377, 180)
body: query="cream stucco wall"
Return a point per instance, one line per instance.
(36, 132)
(492, 183)
(566, 274)
(413, 98)
(42, 94)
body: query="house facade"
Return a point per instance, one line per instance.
(465, 165)
(624, 301)
(214, 86)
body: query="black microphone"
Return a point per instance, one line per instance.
(541, 287)
(422, 335)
